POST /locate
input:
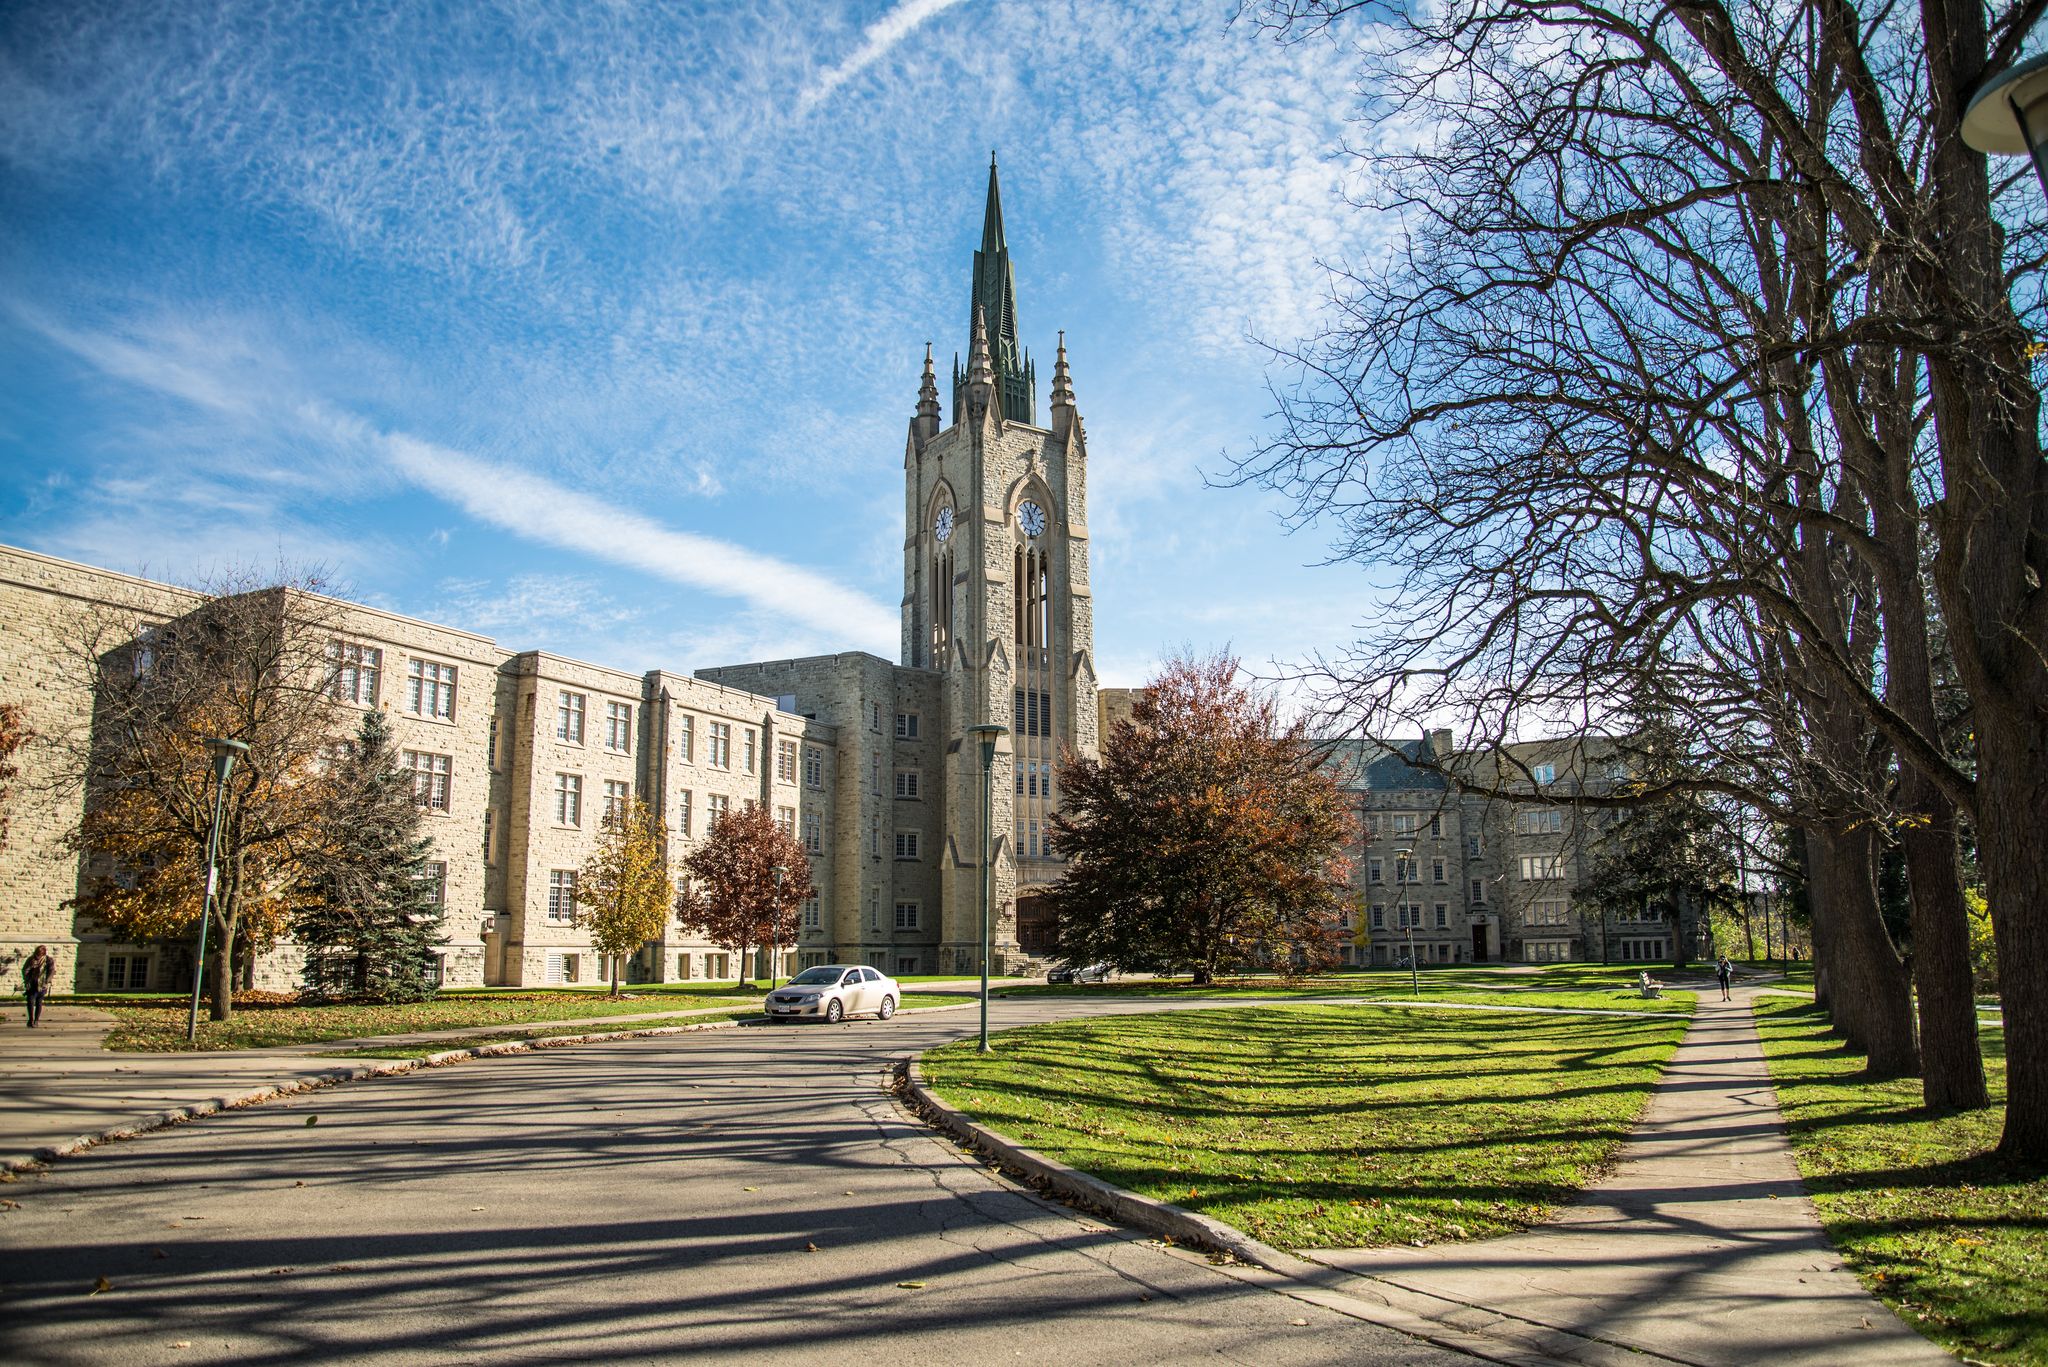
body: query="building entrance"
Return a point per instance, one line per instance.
(1035, 928)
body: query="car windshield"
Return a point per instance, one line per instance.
(816, 977)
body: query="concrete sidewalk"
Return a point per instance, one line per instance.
(1701, 1248)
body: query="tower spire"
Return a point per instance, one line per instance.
(1062, 391)
(995, 301)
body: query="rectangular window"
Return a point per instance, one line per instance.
(906, 844)
(1379, 918)
(686, 738)
(128, 973)
(1375, 871)
(1479, 890)
(1407, 871)
(430, 689)
(906, 784)
(430, 778)
(814, 767)
(1539, 867)
(490, 825)
(617, 793)
(812, 918)
(494, 747)
(875, 775)
(1436, 827)
(785, 821)
(716, 805)
(1543, 821)
(354, 670)
(568, 799)
(682, 811)
(1403, 824)
(750, 742)
(875, 718)
(1475, 846)
(1372, 825)
(814, 833)
(1436, 871)
(906, 916)
(1543, 773)
(1033, 709)
(618, 727)
(785, 761)
(563, 968)
(561, 895)
(569, 718)
(906, 726)
(718, 745)
(436, 879)
(1443, 916)
(1551, 911)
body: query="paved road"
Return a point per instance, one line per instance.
(741, 1196)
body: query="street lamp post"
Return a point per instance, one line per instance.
(2009, 115)
(225, 753)
(1402, 859)
(988, 733)
(779, 872)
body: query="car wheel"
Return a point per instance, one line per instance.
(835, 1011)
(888, 1009)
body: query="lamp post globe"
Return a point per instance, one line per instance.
(225, 752)
(2008, 116)
(988, 734)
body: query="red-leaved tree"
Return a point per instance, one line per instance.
(1207, 838)
(732, 896)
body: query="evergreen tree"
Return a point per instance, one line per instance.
(370, 921)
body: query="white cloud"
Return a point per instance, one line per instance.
(875, 43)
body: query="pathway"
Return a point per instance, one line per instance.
(1701, 1248)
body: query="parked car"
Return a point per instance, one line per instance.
(1061, 973)
(1092, 973)
(832, 992)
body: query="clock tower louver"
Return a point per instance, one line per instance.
(996, 602)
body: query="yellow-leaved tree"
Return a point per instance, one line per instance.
(624, 891)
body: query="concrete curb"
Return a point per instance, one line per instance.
(1514, 1344)
(177, 1115)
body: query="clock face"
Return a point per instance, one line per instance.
(1031, 518)
(943, 527)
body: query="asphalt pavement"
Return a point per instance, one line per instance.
(734, 1196)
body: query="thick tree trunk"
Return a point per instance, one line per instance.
(1952, 1066)
(221, 994)
(1872, 1000)
(2012, 850)
(1991, 557)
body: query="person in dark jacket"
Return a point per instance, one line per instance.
(35, 981)
(1724, 973)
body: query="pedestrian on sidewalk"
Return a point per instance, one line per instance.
(35, 981)
(1724, 972)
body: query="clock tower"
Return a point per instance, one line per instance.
(996, 602)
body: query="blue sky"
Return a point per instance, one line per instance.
(595, 327)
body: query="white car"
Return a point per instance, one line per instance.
(832, 992)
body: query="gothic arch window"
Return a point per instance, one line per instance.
(939, 582)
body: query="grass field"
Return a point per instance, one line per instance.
(1578, 986)
(1325, 1126)
(1953, 1239)
(157, 1024)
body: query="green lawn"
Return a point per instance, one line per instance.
(1325, 1126)
(1564, 985)
(157, 1024)
(1950, 1237)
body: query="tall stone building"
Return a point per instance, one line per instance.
(518, 755)
(998, 627)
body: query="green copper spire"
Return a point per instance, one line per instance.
(995, 297)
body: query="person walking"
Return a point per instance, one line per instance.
(1724, 973)
(35, 981)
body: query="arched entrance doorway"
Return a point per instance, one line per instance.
(1035, 931)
